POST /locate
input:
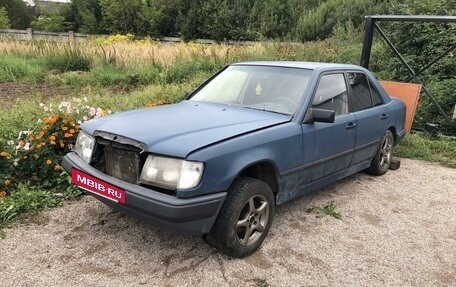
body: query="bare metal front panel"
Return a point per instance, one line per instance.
(122, 164)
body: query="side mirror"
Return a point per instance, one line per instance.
(320, 116)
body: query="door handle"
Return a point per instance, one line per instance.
(384, 116)
(350, 126)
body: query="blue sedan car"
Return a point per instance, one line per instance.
(253, 136)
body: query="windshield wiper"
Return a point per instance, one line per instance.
(265, 110)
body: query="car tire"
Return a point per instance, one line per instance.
(382, 160)
(244, 219)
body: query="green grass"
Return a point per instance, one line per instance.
(68, 60)
(22, 116)
(131, 66)
(19, 69)
(25, 201)
(327, 210)
(420, 146)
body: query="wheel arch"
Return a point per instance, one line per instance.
(264, 170)
(392, 129)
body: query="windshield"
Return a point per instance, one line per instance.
(274, 89)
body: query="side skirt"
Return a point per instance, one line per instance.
(285, 197)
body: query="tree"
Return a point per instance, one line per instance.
(19, 13)
(4, 20)
(50, 18)
(84, 16)
(159, 17)
(319, 21)
(420, 43)
(217, 22)
(122, 16)
(190, 19)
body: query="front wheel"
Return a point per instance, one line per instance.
(245, 218)
(382, 158)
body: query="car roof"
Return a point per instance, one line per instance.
(301, 65)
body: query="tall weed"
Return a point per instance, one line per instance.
(15, 69)
(68, 59)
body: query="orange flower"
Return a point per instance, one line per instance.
(7, 182)
(156, 103)
(64, 122)
(52, 142)
(68, 135)
(48, 162)
(54, 119)
(72, 131)
(25, 157)
(31, 138)
(51, 120)
(64, 128)
(72, 124)
(62, 144)
(21, 144)
(44, 128)
(2, 193)
(4, 154)
(52, 138)
(57, 167)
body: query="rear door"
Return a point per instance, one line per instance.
(371, 116)
(328, 147)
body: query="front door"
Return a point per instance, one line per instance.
(328, 147)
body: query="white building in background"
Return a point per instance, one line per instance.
(45, 4)
(33, 2)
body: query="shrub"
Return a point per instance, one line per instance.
(5, 170)
(17, 69)
(5, 22)
(25, 200)
(35, 155)
(117, 38)
(69, 59)
(443, 92)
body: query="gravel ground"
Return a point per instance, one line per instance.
(396, 230)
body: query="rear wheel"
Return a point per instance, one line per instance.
(245, 218)
(382, 159)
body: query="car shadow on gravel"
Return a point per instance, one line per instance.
(133, 232)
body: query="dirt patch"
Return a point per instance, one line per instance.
(11, 92)
(396, 230)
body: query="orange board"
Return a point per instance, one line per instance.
(409, 93)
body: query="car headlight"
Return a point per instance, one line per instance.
(171, 173)
(84, 146)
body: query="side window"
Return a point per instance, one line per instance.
(331, 94)
(376, 97)
(361, 96)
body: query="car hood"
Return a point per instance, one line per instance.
(179, 129)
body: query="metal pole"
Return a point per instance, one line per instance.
(414, 18)
(367, 44)
(433, 62)
(407, 66)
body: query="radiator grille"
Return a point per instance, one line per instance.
(122, 163)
